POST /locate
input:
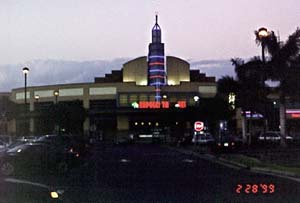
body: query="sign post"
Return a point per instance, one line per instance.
(198, 126)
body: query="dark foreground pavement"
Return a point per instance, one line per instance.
(150, 173)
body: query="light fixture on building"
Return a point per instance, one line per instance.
(136, 123)
(37, 97)
(196, 98)
(142, 123)
(165, 96)
(156, 124)
(149, 123)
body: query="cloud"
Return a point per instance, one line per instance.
(217, 68)
(47, 72)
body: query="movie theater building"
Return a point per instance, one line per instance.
(148, 92)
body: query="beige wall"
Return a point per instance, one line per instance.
(136, 71)
(102, 91)
(178, 71)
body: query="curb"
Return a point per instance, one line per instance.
(282, 174)
(237, 165)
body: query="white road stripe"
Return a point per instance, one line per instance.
(188, 160)
(18, 181)
(124, 160)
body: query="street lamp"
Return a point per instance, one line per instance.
(57, 127)
(25, 72)
(262, 35)
(56, 94)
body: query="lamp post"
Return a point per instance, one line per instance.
(56, 94)
(262, 35)
(25, 72)
(37, 97)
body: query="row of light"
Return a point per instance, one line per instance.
(196, 98)
(149, 123)
(55, 93)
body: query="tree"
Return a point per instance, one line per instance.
(283, 66)
(226, 85)
(251, 93)
(66, 115)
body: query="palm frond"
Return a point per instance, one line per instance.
(291, 48)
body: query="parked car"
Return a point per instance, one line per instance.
(3, 145)
(273, 137)
(36, 157)
(295, 138)
(203, 138)
(27, 138)
(226, 142)
(74, 144)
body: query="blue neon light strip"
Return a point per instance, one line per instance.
(156, 56)
(157, 83)
(156, 70)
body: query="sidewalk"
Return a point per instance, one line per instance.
(278, 162)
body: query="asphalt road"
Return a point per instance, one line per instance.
(151, 173)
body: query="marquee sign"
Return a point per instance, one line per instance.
(157, 104)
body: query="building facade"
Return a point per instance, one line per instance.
(154, 91)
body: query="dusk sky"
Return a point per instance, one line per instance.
(76, 30)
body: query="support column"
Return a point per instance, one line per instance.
(31, 109)
(86, 106)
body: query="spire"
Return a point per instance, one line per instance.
(156, 31)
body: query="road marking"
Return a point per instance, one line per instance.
(188, 160)
(124, 160)
(18, 181)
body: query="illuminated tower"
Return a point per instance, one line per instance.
(156, 61)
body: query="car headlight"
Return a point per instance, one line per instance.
(56, 194)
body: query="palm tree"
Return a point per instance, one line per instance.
(227, 85)
(283, 66)
(251, 94)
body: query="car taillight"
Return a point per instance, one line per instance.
(232, 143)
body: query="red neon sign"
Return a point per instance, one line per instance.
(159, 105)
(182, 104)
(295, 115)
(153, 105)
